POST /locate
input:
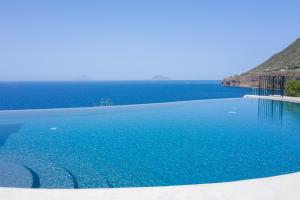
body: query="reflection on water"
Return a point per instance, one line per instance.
(292, 108)
(273, 110)
(270, 110)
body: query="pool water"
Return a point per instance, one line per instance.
(205, 141)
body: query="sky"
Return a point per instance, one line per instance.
(136, 40)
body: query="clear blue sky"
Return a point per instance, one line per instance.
(132, 40)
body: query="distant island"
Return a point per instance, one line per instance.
(83, 78)
(286, 62)
(160, 78)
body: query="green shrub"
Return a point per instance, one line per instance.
(292, 88)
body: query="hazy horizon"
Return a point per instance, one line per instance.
(136, 40)
(107, 80)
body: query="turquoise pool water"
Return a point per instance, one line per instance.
(195, 142)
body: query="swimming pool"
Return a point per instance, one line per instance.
(194, 142)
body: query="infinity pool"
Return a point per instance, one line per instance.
(194, 142)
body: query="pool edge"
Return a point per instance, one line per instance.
(276, 187)
(274, 98)
(119, 106)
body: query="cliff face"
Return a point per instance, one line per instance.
(286, 62)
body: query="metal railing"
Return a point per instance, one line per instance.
(272, 85)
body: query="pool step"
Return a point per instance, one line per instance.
(32, 176)
(52, 176)
(10, 174)
(35, 178)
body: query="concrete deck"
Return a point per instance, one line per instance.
(284, 187)
(276, 98)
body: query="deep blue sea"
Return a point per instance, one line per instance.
(39, 95)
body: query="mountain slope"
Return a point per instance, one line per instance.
(286, 62)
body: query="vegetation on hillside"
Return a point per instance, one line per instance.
(286, 62)
(292, 89)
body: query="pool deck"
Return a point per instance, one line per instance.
(276, 98)
(284, 187)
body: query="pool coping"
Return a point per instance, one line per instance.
(282, 187)
(275, 97)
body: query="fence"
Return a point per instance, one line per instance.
(272, 85)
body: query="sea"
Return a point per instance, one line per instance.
(19, 95)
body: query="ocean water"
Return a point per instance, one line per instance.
(38, 95)
(205, 141)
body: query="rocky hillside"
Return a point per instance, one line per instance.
(286, 62)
